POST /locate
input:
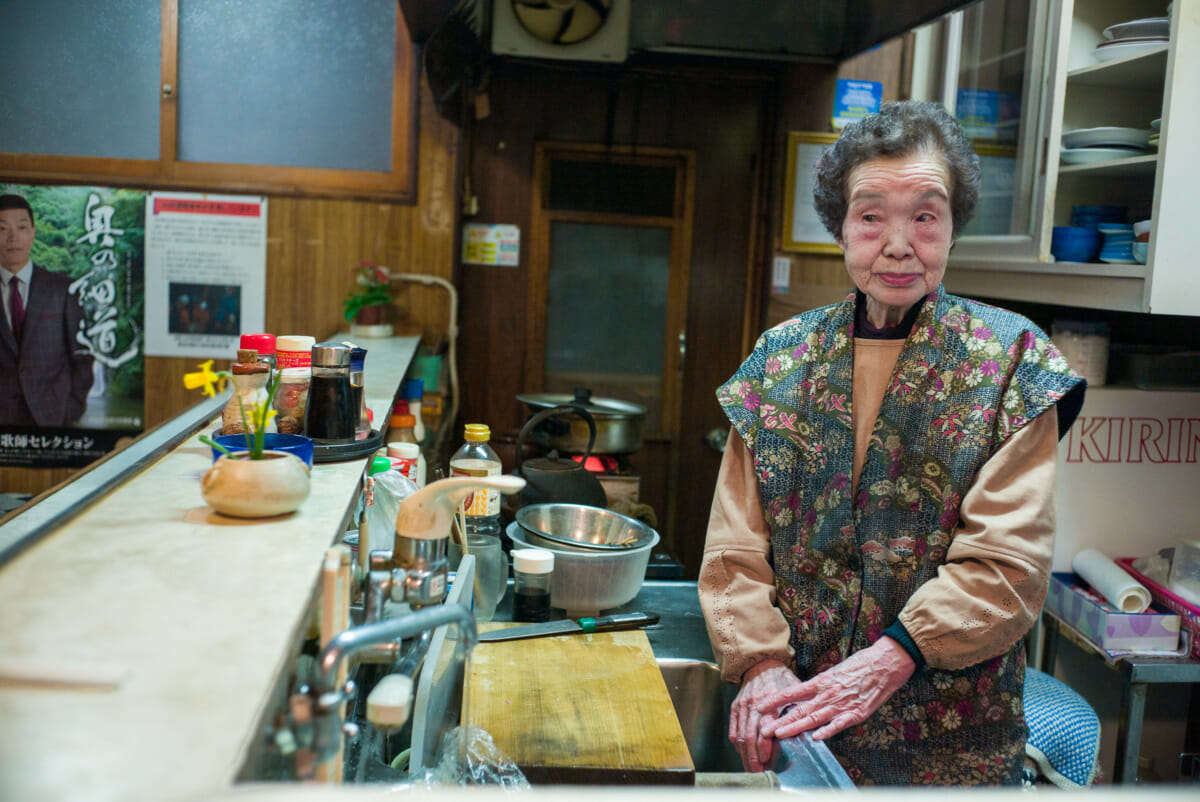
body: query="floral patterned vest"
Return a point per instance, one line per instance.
(968, 378)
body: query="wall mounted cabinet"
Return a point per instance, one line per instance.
(1153, 83)
(289, 97)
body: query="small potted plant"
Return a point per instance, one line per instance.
(373, 294)
(257, 482)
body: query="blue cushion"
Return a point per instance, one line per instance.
(1064, 731)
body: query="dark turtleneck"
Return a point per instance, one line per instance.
(865, 329)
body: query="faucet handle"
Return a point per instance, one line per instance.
(426, 514)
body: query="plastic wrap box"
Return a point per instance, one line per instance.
(1165, 597)
(1074, 601)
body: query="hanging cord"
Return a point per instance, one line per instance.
(451, 333)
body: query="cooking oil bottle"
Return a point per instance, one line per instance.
(476, 457)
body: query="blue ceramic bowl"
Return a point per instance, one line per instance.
(1092, 216)
(296, 444)
(1075, 244)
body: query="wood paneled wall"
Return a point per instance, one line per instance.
(313, 245)
(807, 105)
(727, 119)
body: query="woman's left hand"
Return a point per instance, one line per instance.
(841, 696)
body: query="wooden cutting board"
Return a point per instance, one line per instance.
(579, 709)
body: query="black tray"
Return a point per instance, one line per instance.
(342, 452)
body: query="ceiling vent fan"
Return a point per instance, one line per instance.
(577, 30)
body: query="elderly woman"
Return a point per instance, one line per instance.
(882, 528)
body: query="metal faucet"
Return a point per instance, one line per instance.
(416, 569)
(327, 698)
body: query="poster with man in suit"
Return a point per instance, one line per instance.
(70, 332)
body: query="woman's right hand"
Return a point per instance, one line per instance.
(763, 681)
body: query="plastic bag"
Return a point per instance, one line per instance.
(389, 489)
(468, 756)
(1156, 566)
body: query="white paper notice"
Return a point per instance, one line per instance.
(206, 272)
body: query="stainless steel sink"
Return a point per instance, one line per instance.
(702, 703)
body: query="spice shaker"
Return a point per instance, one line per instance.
(294, 351)
(264, 344)
(332, 412)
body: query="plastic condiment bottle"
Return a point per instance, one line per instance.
(477, 458)
(249, 389)
(413, 391)
(404, 446)
(532, 571)
(294, 351)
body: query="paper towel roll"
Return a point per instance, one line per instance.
(1111, 581)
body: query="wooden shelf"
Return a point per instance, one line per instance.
(1132, 166)
(1145, 69)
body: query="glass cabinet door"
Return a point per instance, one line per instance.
(995, 60)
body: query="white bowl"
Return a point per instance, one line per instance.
(586, 582)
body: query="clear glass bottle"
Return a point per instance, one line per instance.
(477, 458)
(358, 361)
(291, 399)
(331, 415)
(532, 571)
(249, 388)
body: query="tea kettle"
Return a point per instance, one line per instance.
(553, 479)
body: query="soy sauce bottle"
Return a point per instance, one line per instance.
(532, 570)
(332, 413)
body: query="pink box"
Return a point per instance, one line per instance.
(1074, 601)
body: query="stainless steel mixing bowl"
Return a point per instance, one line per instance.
(583, 527)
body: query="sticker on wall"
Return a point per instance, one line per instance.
(855, 100)
(491, 244)
(781, 275)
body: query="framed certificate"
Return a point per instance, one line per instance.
(802, 228)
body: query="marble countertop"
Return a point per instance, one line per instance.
(194, 613)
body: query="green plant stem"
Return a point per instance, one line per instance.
(213, 444)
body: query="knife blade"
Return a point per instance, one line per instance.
(569, 626)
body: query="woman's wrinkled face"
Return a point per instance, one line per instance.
(897, 232)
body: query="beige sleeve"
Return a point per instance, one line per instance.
(991, 588)
(736, 584)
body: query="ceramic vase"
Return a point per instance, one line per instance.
(256, 488)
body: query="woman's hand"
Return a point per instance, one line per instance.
(839, 697)
(766, 680)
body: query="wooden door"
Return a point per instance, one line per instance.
(610, 245)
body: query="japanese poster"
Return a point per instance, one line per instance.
(71, 359)
(206, 272)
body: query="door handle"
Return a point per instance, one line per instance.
(716, 439)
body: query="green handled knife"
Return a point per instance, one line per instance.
(568, 626)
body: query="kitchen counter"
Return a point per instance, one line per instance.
(197, 613)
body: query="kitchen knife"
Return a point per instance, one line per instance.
(569, 626)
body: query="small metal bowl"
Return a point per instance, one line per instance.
(583, 527)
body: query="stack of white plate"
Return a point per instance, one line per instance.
(1133, 37)
(1088, 145)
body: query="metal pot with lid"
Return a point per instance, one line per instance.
(618, 423)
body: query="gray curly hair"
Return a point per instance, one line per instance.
(898, 129)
